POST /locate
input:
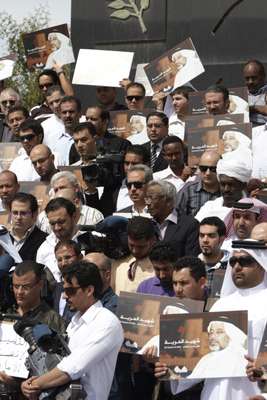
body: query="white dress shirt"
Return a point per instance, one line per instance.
(123, 199)
(168, 175)
(88, 216)
(53, 127)
(23, 168)
(94, 340)
(176, 126)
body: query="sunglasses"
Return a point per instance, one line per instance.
(204, 168)
(45, 85)
(244, 261)
(71, 291)
(136, 98)
(27, 138)
(6, 102)
(137, 185)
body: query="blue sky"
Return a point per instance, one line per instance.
(60, 12)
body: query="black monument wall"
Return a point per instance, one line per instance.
(164, 23)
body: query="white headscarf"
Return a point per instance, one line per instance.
(236, 335)
(237, 169)
(260, 255)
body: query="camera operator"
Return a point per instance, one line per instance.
(27, 283)
(95, 337)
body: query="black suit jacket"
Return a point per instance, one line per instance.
(184, 235)
(160, 163)
(58, 290)
(31, 245)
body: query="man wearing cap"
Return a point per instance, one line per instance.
(240, 221)
(233, 176)
(244, 288)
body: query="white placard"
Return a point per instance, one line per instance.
(13, 352)
(6, 67)
(102, 67)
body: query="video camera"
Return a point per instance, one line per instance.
(112, 240)
(46, 350)
(105, 171)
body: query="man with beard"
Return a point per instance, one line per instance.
(212, 233)
(162, 257)
(233, 176)
(173, 152)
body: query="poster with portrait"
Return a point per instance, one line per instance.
(174, 68)
(8, 151)
(130, 125)
(217, 281)
(141, 77)
(261, 361)
(238, 102)
(210, 121)
(139, 316)
(7, 64)
(204, 345)
(13, 351)
(230, 141)
(38, 189)
(47, 46)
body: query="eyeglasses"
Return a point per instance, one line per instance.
(244, 261)
(136, 98)
(10, 102)
(157, 126)
(204, 168)
(27, 138)
(136, 185)
(45, 85)
(71, 291)
(22, 214)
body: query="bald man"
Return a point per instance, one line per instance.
(43, 161)
(259, 232)
(194, 194)
(9, 186)
(85, 215)
(108, 298)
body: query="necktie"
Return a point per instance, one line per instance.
(153, 155)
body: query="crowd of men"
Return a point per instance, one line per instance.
(141, 221)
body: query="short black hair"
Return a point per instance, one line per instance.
(159, 114)
(141, 228)
(60, 202)
(87, 274)
(215, 221)
(32, 124)
(85, 125)
(104, 114)
(71, 99)
(183, 90)
(26, 198)
(219, 89)
(172, 139)
(137, 85)
(259, 65)
(196, 266)
(54, 88)
(139, 150)
(30, 266)
(52, 74)
(19, 107)
(163, 251)
(69, 243)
